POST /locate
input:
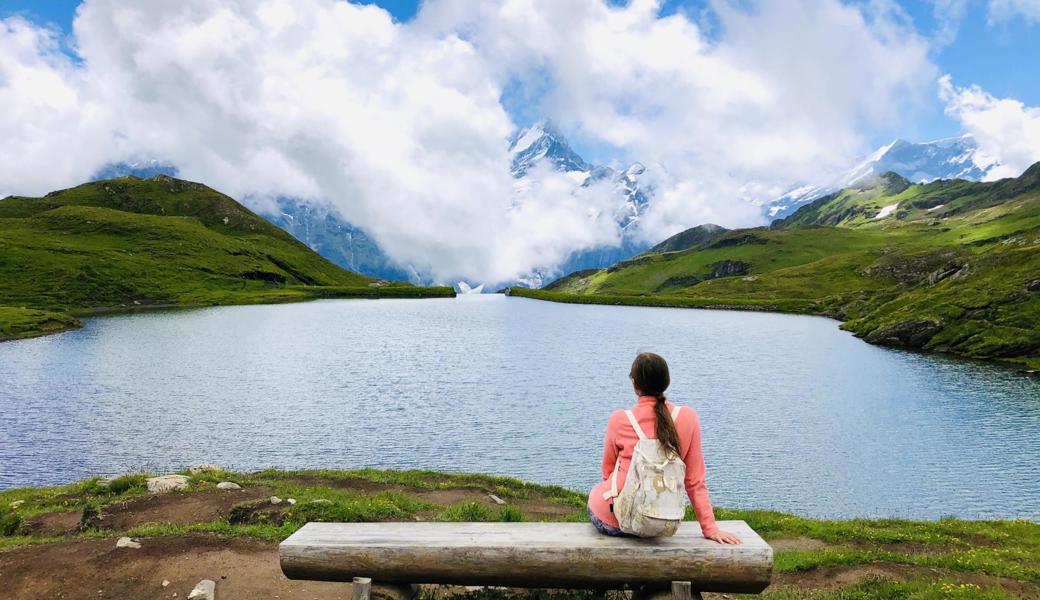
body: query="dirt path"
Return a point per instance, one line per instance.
(95, 568)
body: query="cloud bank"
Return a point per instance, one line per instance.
(402, 127)
(1007, 131)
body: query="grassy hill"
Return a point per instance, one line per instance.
(128, 242)
(950, 266)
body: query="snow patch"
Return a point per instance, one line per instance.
(891, 208)
(936, 207)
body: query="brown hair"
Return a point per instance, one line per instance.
(650, 375)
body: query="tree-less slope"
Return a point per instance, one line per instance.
(951, 266)
(129, 242)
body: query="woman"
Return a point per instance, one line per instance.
(650, 379)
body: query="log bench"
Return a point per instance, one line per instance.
(397, 556)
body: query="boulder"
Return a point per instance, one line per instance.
(276, 500)
(125, 542)
(1033, 286)
(197, 469)
(291, 501)
(228, 485)
(204, 590)
(167, 483)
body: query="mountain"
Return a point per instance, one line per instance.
(948, 266)
(130, 242)
(325, 232)
(543, 142)
(692, 237)
(949, 158)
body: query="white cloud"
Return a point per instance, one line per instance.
(1003, 10)
(1007, 131)
(401, 125)
(784, 94)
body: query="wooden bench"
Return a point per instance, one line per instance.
(532, 555)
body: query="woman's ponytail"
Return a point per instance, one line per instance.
(667, 434)
(650, 376)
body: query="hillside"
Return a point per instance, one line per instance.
(128, 242)
(950, 266)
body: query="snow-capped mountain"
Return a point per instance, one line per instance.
(949, 158)
(543, 142)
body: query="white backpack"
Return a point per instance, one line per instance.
(652, 503)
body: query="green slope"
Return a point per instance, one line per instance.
(128, 242)
(951, 266)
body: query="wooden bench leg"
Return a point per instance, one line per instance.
(682, 590)
(364, 590)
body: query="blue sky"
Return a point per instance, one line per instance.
(1000, 57)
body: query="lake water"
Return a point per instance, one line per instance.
(797, 415)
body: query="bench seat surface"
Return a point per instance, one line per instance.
(524, 555)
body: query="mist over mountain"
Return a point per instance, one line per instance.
(541, 146)
(949, 158)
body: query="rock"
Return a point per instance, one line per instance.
(204, 469)
(228, 485)
(320, 501)
(17, 503)
(291, 501)
(496, 499)
(1033, 286)
(729, 268)
(912, 334)
(167, 483)
(204, 590)
(276, 500)
(166, 583)
(125, 542)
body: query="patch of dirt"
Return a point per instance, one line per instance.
(53, 524)
(842, 576)
(176, 508)
(96, 569)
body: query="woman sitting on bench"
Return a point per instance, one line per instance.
(680, 439)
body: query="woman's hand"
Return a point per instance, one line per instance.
(724, 537)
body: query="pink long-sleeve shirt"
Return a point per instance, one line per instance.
(621, 441)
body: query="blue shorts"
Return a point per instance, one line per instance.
(604, 528)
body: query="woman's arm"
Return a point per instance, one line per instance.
(610, 449)
(696, 483)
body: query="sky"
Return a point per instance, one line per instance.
(392, 107)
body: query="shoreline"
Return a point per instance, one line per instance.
(72, 317)
(1021, 365)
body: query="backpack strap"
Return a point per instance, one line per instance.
(613, 491)
(675, 413)
(635, 424)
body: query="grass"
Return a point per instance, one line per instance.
(950, 549)
(954, 269)
(128, 243)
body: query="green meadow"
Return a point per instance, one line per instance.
(128, 243)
